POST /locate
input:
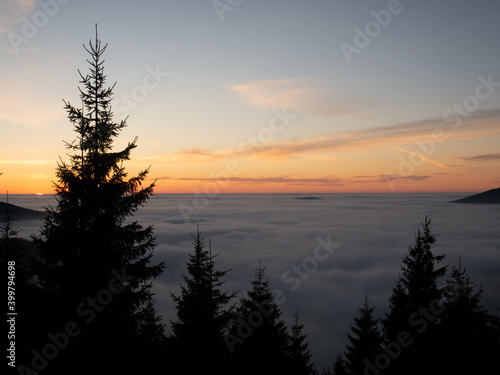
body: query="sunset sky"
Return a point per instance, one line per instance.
(263, 96)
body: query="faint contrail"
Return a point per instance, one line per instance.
(421, 157)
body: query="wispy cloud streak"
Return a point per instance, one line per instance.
(11, 12)
(484, 123)
(421, 157)
(299, 95)
(484, 157)
(287, 180)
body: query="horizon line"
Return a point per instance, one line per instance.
(288, 193)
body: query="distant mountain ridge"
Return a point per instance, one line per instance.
(19, 213)
(488, 197)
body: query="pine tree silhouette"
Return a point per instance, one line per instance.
(263, 343)
(419, 273)
(299, 349)
(470, 340)
(365, 340)
(413, 295)
(7, 232)
(94, 264)
(203, 316)
(340, 366)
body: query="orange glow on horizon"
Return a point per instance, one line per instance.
(275, 185)
(323, 174)
(281, 189)
(209, 189)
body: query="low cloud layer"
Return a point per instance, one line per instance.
(373, 230)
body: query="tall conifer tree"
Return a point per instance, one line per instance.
(264, 347)
(420, 273)
(204, 314)
(470, 340)
(365, 340)
(414, 293)
(299, 349)
(94, 263)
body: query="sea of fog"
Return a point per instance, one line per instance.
(321, 255)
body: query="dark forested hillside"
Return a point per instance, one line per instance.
(19, 213)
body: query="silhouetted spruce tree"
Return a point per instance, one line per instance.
(94, 263)
(262, 341)
(340, 366)
(365, 340)
(470, 334)
(203, 317)
(413, 295)
(419, 272)
(7, 227)
(299, 349)
(8, 234)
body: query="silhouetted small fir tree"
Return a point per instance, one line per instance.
(470, 334)
(13, 248)
(260, 338)
(340, 366)
(419, 271)
(415, 292)
(204, 314)
(365, 340)
(7, 228)
(91, 249)
(299, 349)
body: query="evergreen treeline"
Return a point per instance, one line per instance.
(84, 282)
(429, 329)
(213, 334)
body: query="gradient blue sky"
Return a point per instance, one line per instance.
(353, 123)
